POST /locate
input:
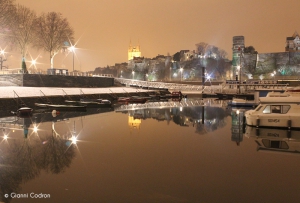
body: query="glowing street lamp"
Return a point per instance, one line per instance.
(72, 49)
(181, 69)
(2, 58)
(273, 75)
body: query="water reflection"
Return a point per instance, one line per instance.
(205, 115)
(23, 158)
(279, 140)
(237, 125)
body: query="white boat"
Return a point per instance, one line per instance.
(243, 102)
(240, 102)
(275, 112)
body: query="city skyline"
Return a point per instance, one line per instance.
(104, 29)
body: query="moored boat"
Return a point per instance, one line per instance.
(132, 99)
(61, 107)
(275, 112)
(91, 103)
(176, 94)
(24, 112)
(239, 102)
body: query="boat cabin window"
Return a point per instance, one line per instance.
(276, 109)
(275, 144)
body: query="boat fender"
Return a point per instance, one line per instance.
(257, 122)
(257, 132)
(53, 113)
(289, 124)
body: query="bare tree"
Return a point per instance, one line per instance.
(6, 9)
(52, 30)
(201, 48)
(21, 30)
(6, 6)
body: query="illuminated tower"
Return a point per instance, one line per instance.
(134, 51)
(237, 48)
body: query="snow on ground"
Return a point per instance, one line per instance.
(15, 91)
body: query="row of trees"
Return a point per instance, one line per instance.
(21, 28)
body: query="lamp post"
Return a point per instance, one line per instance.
(2, 59)
(240, 70)
(72, 49)
(181, 69)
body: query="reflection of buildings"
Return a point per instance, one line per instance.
(203, 118)
(134, 123)
(276, 140)
(237, 124)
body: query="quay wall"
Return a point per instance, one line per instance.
(40, 80)
(12, 104)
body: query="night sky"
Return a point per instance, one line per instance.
(104, 28)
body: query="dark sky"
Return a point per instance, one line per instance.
(104, 28)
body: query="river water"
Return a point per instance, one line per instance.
(174, 152)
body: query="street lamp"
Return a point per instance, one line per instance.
(181, 69)
(240, 69)
(2, 58)
(72, 49)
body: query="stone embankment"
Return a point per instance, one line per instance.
(12, 98)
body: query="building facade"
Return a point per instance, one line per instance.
(293, 43)
(238, 45)
(271, 66)
(134, 51)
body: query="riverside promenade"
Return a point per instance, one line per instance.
(22, 92)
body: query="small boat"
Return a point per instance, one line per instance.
(275, 112)
(176, 95)
(102, 101)
(132, 99)
(247, 96)
(24, 112)
(61, 107)
(240, 102)
(91, 103)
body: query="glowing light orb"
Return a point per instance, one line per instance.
(74, 139)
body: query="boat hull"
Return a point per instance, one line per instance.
(289, 121)
(61, 107)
